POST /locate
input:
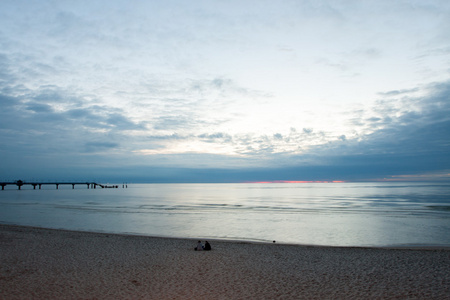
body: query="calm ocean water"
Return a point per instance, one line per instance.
(338, 214)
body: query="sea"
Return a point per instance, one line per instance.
(376, 214)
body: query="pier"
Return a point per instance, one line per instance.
(20, 183)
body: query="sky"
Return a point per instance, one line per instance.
(224, 91)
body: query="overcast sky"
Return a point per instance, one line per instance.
(226, 91)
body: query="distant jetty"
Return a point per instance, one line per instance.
(20, 183)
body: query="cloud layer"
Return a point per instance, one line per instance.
(229, 92)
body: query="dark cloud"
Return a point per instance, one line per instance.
(43, 128)
(174, 136)
(223, 87)
(81, 113)
(100, 146)
(216, 137)
(39, 108)
(399, 92)
(374, 119)
(416, 141)
(122, 122)
(278, 136)
(219, 82)
(307, 130)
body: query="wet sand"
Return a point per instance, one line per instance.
(57, 264)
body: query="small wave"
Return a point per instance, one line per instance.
(439, 207)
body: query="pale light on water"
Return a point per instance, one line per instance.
(339, 214)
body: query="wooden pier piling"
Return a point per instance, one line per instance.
(20, 183)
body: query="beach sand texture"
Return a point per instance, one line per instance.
(57, 264)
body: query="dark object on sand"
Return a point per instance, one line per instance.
(207, 246)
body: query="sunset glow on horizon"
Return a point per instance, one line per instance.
(297, 181)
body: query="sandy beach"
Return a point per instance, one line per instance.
(57, 264)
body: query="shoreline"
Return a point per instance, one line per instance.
(38, 263)
(244, 241)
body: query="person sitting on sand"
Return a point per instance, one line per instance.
(207, 246)
(199, 246)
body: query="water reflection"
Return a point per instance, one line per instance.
(346, 214)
